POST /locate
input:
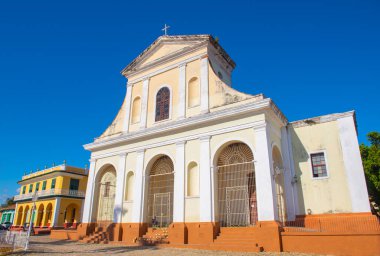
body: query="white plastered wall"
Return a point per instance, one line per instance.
(321, 195)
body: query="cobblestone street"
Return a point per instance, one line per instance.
(43, 245)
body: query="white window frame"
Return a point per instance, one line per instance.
(311, 165)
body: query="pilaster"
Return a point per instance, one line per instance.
(57, 205)
(138, 190)
(182, 91)
(353, 165)
(205, 186)
(127, 107)
(267, 208)
(88, 201)
(120, 181)
(290, 185)
(179, 183)
(204, 85)
(144, 103)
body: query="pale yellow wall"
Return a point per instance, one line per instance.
(192, 70)
(150, 154)
(164, 50)
(136, 92)
(327, 195)
(169, 78)
(173, 62)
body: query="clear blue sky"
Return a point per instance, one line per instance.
(60, 64)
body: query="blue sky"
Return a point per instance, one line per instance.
(60, 64)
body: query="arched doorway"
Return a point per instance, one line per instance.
(106, 196)
(26, 216)
(278, 170)
(40, 215)
(237, 203)
(160, 192)
(71, 215)
(19, 216)
(48, 214)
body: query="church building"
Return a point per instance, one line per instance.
(189, 156)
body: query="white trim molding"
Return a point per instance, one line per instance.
(353, 164)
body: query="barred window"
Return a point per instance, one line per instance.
(162, 104)
(318, 164)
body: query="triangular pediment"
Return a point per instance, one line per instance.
(165, 47)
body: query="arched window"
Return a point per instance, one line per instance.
(192, 180)
(129, 189)
(193, 92)
(162, 104)
(136, 109)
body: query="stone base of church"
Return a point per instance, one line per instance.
(201, 232)
(131, 232)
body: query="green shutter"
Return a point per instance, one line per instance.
(44, 185)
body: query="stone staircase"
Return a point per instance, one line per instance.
(99, 236)
(242, 239)
(155, 236)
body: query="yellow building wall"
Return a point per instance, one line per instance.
(321, 195)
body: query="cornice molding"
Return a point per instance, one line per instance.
(180, 124)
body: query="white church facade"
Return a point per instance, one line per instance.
(189, 154)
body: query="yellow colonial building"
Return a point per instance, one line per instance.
(60, 192)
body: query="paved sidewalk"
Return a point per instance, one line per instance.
(43, 245)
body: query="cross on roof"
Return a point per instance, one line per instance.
(165, 29)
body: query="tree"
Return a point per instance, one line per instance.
(371, 163)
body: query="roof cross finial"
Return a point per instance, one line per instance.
(165, 29)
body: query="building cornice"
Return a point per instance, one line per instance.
(175, 126)
(322, 119)
(49, 175)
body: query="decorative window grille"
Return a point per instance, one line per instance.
(160, 193)
(237, 203)
(318, 164)
(162, 104)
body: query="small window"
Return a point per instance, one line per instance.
(162, 104)
(37, 186)
(318, 164)
(44, 185)
(30, 188)
(23, 189)
(53, 183)
(74, 184)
